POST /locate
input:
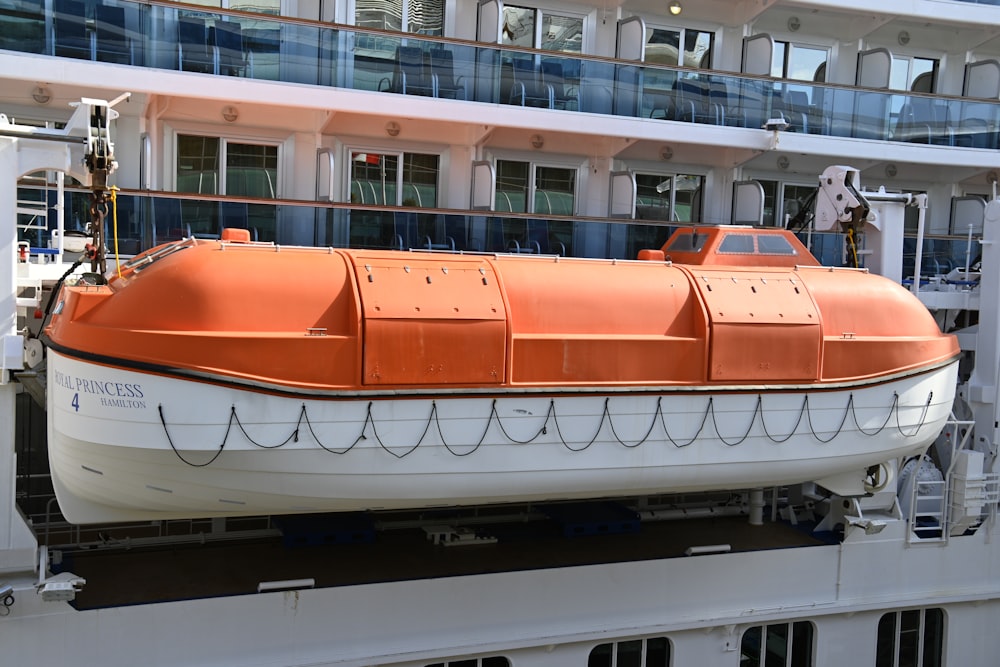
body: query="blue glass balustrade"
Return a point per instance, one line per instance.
(145, 221)
(258, 46)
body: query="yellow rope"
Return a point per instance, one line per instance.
(114, 218)
(852, 247)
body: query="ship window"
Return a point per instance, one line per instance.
(219, 166)
(649, 652)
(798, 61)
(912, 638)
(533, 28)
(665, 198)
(663, 46)
(778, 644)
(425, 17)
(913, 73)
(673, 197)
(526, 187)
(783, 201)
(491, 661)
(394, 179)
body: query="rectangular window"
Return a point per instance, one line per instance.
(668, 197)
(663, 46)
(561, 33)
(219, 166)
(424, 17)
(799, 62)
(783, 202)
(665, 198)
(913, 74)
(214, 165)
(778, 645)
(911, 638)
(524, 187)
(492, 661)
(558, 32)
(395, 179)
(651, 652)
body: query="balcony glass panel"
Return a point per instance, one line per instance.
(262, 46)
(146, 221)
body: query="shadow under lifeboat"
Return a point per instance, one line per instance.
(224, 377)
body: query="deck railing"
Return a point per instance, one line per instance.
(145, 220)
(258, 46)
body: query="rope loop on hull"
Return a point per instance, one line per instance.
(369, 424)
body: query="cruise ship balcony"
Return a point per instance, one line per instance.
(289, 50)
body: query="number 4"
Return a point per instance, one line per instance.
(76, 402)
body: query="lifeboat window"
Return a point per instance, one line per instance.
(774, 245)
(692, 242)
(141, 261)
(649, 652)
(737, 244)
(909, 638)
(777, 644)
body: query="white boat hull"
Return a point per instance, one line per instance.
(126, 445)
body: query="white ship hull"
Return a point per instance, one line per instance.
(129, 446)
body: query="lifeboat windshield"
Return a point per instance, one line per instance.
(139, 262)
(729, 245)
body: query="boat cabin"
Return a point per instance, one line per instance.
(730, 244)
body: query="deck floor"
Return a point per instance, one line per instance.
(123, 577)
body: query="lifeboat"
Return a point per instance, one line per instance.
(225, 377)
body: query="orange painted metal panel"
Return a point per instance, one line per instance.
(765, 325)
(764, 352)
(576, 360)
(415, 286)
(580, 321)
(431, 319)
(873, 326)
(241, 317)
(434, 352)
(854, 358)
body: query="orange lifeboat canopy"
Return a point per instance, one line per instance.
(730, 245)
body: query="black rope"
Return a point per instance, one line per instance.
(294, 435)
(361, 436)
(409, 451)
(840, 427)
(895, 405)
(543, 430)
(652, 425)
(600, 425)
(551, 415)
(701, 427)
(763, 423)
(923, 417)
(222, 445)
(482, 438)
(738, 441)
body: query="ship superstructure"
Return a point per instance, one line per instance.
(493, 134)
